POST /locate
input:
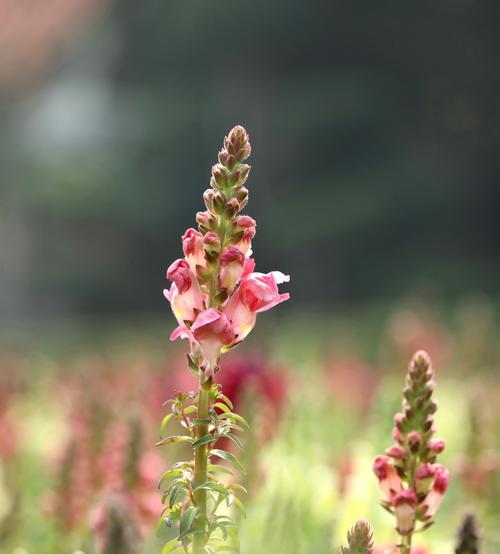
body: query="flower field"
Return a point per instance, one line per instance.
(78, 424)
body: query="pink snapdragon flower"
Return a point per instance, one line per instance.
(436, 494)
(185, 294)
(389, 481)
(405, 504)
(257, 293)
(247, 225)
(212, 330)
(192, 245)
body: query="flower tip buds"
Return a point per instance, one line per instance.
(237, 143)
(421, 361)
(359, 539)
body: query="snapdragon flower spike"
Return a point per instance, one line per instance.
(217, 272)
(215, 296)
(411, 483)
(359, 539)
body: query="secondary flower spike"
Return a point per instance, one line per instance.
(215, 293)
(359, 539)
(411, 483)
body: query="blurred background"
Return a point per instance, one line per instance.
(374, 184)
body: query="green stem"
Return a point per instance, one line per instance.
(200, 466)
(406, 544)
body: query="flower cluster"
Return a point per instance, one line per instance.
(412, 484)
(215, 293)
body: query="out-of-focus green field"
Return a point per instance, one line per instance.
(80, 410)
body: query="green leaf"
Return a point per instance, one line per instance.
(193, 367)
(190, 410)
(214, 468)
(238, 487)
(165, 421)
(171, 474)
(235, 439)
(187, 519)
(229, 458)
(239, 504)
(213, 486)
(174, 438)
(225, 399)
(169, 547)
(222, 407)
(235, 417)
(192, 531)
(203, 440)
(174, 493)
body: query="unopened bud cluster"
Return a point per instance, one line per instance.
(216, 294)
(359, 539)
(411, 482)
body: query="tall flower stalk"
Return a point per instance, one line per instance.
(412, 484)
(215, 296)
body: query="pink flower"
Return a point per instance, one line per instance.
(405, 504)
(185, 294)
(436, 494)
(211, 242)
(212, 330)
(231, 267)
(389, 481)
(259, 292)
(192, 244)
(246, 224)
(424, 477)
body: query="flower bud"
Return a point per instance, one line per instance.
(399, 420)
(219, 177)
(232, 207)
(219, 202)
(205, 221)
(405, 504)
(396, 434)
(414, 441)
(211, 242)
(436, 445)
(208, 197)
(231, 264)
(395, 451)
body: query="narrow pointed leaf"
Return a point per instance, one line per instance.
(229, 458)
(203, 440)
(173, 439)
